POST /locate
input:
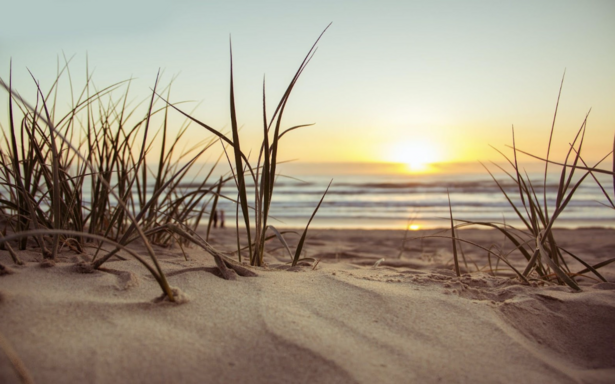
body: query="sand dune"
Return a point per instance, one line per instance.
(408, 320)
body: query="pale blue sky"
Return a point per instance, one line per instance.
(454, 73)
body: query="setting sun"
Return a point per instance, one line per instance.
(416, 155)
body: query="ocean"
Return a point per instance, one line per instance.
(398, 201)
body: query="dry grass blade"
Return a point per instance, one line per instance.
(564, 203)
(587, 266)
(403, 242)
(18, 365)
(57, 220)
(453, 237)
(239, 165)
(16, 162)
(222, 262)
(282, 240)
(14, 255)
(25, 208)
(159, 278)
(596, 266)
(213, 208)
(518, 181)
(262, 196)
(597, 170)
(565, 181)
(513, 206)
(606, 195)
(488, 250)
(302, 240)
(270, 152)
(558, 271)
(489, 260)
(293, 128)
(561, 86)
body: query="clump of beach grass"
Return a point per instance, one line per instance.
(48, 160)
(44, 181)
(546, 259)
(263, 173)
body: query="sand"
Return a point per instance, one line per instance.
(408, 320)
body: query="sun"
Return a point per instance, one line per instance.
(416, 155)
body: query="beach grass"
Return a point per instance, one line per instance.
(44, 182)
(263, 173)
(48, 159)
(546, 260)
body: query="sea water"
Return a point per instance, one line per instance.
(399, 201)
(422, 201)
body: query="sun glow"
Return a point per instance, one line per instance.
(416, 155)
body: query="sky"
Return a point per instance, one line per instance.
(392, 81)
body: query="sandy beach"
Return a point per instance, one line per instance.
(350, 318)
(134, 132)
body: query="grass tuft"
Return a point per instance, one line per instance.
(546, 260)
(82, 177)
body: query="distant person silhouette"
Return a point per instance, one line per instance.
(222, 218)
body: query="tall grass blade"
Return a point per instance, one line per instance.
(302, 240)
(597, 170)
(57, 209)
(611, 203)
(587, 266)
(18, 365)
(213, 208)
(514, 207)
(503, 259)
(518, 181)
(453, 237)
(263, 197)
(564, 203)
(596, 266)
(560, 274)
(21, 192)
(544, 186)
(282, 240)
(239, 166)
